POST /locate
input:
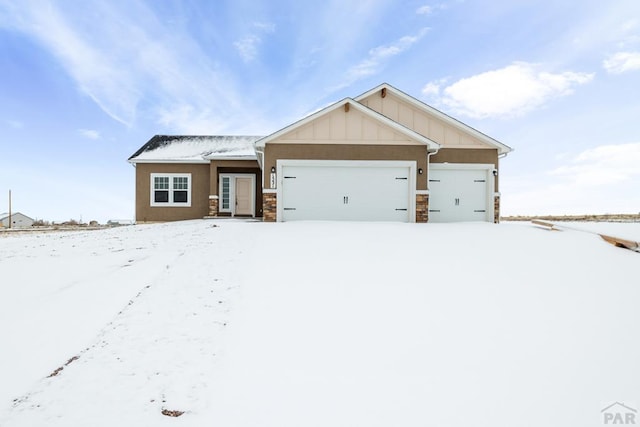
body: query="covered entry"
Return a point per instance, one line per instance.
(237, 194)
(338, 190)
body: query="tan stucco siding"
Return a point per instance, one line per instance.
(450, 155)
(420, 121)
(346, 151)
(199, 192)
(352, 127)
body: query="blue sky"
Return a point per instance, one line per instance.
(86, 83)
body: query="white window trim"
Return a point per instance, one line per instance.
(170, 203)
(232, 192)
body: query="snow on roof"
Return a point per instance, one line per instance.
(181, 148)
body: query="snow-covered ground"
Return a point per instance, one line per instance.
(625, 230)
(317, 324)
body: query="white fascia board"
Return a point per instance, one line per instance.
(363, 109)
(165, 161)
(502, 148)
(214, 157)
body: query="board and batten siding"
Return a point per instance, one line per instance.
(419, 121)
(352, 127)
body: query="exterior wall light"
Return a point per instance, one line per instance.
(495, 172)
(273, 169)
(420, 171)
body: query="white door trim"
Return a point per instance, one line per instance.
(487, 167)
(232, 192)
(410, 164)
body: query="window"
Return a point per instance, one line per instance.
(226, 193)
(170, 189)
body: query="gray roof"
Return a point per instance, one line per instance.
(6, 215)
(196, 149)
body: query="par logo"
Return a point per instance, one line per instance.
(619, 414)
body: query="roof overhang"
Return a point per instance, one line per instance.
(185, 161)
(218, 157)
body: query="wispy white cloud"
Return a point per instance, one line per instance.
(248, 45)
(128, 62)
(266, 27)
(88, 67)
(603, 165)
(429, 9)
(622, 62)
(379, 56)
(506, 92)
(16, 124)
(89, 133)
(424, 10)
(627, 34)
(432, 89)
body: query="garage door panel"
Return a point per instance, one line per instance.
(345, 193)
(458, 195)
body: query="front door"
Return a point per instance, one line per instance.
(243, 196)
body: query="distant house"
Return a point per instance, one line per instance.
(381, 156)
(115, 222)
(18, 220)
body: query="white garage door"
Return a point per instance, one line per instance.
(346, 191)
(459, 194)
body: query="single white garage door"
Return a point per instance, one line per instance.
(460, 194)
(346, 191)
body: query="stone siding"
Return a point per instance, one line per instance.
(269, 207)
(213, 205)
(422, 208)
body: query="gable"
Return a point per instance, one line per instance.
(342, 126)
(15, 216)
(426, 120)
(418, 120)
(347, 122)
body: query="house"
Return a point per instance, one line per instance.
(382, 156)
(188, 177)
(18, 220)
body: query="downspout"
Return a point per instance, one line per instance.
(429, 154)
(260, 157)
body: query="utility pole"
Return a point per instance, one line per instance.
(10, 209)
